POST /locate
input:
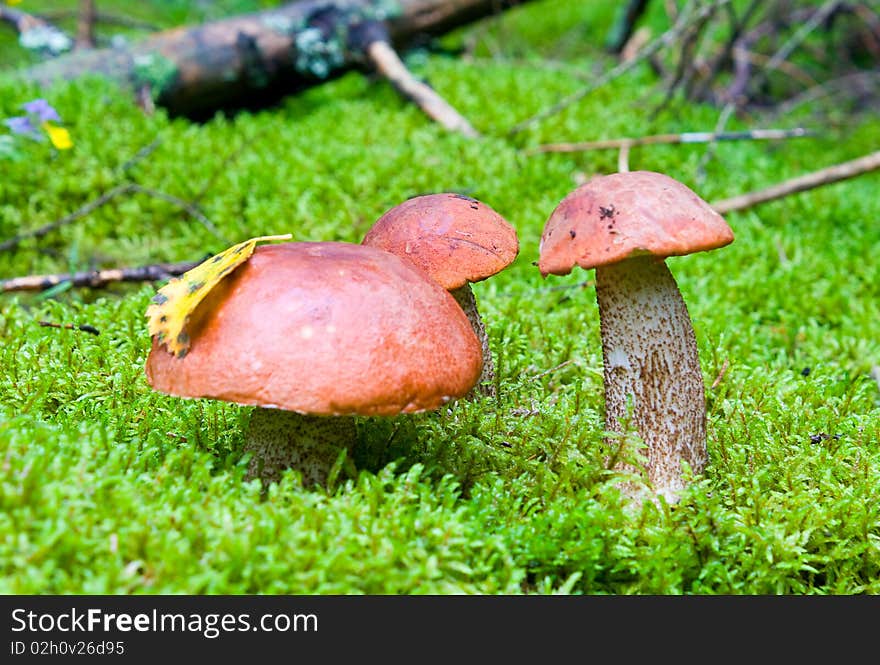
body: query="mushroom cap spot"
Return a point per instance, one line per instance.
(615, 217)
(325, 328)
(453, 238)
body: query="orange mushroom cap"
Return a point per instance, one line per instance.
(452, 237)
(618, 216)
(324, 328)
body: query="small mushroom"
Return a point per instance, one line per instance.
(314, 334)
(624, 225)
(457, 240)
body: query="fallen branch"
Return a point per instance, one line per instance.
(107, 196)
(249, 60)
(844, 171)
(685, 137)
(98, 278)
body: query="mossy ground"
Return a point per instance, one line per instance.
(109, 487)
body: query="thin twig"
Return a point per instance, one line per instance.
(541, 375)
(721, 374)
(623, 159)
(386, 61)
(85, 25)
(684, 137)
(98, 278)
(85, 327)
(709, 152)
(683, 22)
(850, 169)
(107, 196)
(140, 155)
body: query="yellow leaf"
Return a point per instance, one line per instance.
(59, 136)
(174, 302)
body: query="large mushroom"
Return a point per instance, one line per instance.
(456, 240)
(624, 225)
(314, 334)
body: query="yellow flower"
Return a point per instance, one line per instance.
(13, 2)
(59, 136)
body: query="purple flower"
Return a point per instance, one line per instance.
(42, 109)
(22, 125)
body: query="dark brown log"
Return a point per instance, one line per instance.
(254, 59)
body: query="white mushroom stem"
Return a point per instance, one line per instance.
(278, 440)
(651, 362)
(464, 296)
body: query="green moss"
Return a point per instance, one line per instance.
(107, 486)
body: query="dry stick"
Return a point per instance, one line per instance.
(85, 26)
(98, 278)
(684, 137)
(140, 155)
(623, 159)
(103, 199)
(720, 124)
(386, 61)
(721, 374)
(683, 23)
(850, 169)
(85, 327)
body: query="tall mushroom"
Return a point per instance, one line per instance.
(624, 225)
(315, 333)
(456, 240)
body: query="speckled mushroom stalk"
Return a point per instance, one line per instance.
(624, 225)
(464, 296)
(278, 440)
(456, 240)
(652, 367)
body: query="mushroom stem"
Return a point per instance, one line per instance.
(464, 296)
(650, 356)
(280, 440)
